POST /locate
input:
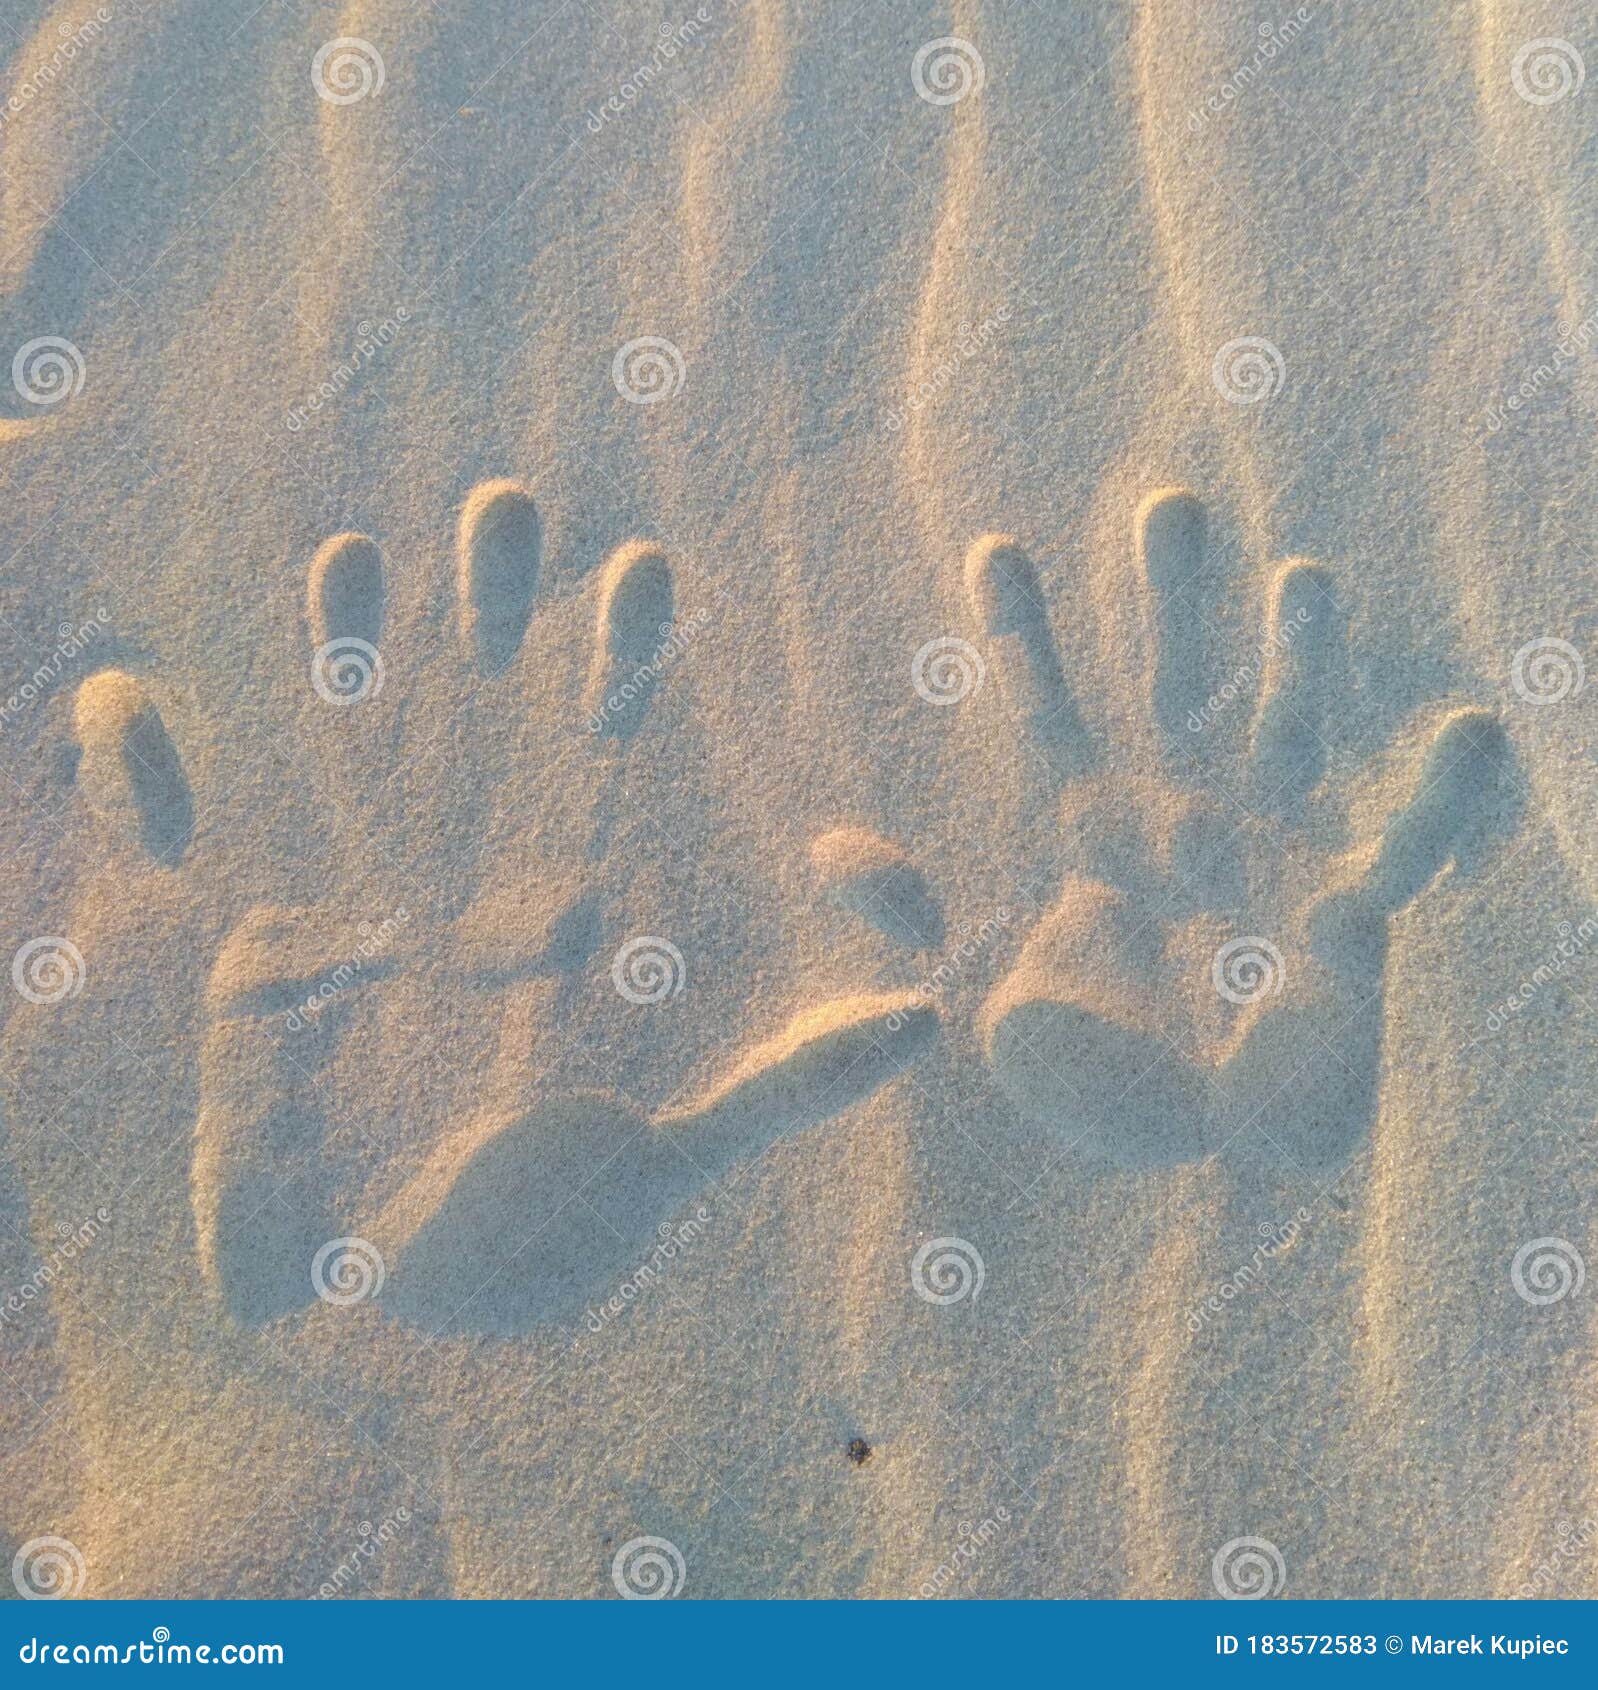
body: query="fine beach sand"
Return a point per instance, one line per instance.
(800, 798)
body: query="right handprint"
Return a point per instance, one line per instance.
(1214, 970)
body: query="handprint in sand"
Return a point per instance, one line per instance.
(1211, 970)
(347, 1145)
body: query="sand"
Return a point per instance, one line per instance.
(800, 799)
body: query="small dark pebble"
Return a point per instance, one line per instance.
(859, 1451)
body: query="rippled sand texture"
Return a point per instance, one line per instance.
(801, 799)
